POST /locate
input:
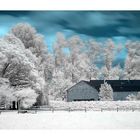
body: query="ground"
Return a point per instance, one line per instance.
(68, 120)
(82, 115)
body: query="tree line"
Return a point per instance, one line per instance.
(30, 74)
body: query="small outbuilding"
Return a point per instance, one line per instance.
(89, 90)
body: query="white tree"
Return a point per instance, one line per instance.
(34, 42)
(30, 38)
(74, 44)
(58, 47)
(108, 52)
(108, 71)
(26, 97)
(131, 97)
(3, 60)
(25, 32)
(6, 93)
(138, 96)
(132, 63)
(18, 62)
(106, 92)
(19, 65)
(59, 85)
(92, 72)
(79, 61)
(94, 50)
(49, 67)
(115, 73)
(68, 67)
(94, 55)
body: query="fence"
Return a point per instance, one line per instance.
(69, 109)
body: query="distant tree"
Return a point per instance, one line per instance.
(59, 85)
(106, 92)
(79, 61)
(133, 97)
(30, 38)
(132, 63)
(94, 54)
(94, 50)
(49, 67)
(138, 96)
(108, 52)
(25, 32)
(26, 62)
(108, 71)
(115, 73)
(58, 47)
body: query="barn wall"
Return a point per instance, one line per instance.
(82, 91)
(122, 95)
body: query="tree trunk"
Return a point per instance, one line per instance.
(42, 100)
(18, 105)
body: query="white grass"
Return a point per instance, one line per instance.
(96, 105)
(68, 120)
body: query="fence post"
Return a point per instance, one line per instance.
(69, 109)
(36, 111)
(132, 109)
(117, 109)
(101, 110)
(85, 109)
(52, 109)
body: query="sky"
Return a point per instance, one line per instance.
(100, 25)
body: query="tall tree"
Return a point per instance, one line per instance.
(58, 47)
(18, 64)
(132, 63)
(79, 62)
(34, 42)
(94, 54)
(108, 58)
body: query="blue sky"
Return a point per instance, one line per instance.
(118, 25)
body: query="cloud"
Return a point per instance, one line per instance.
(126, 30)
(90, 23)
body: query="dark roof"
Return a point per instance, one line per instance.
(117, 85)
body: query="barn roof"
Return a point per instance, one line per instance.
(118, 85)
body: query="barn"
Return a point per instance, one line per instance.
(89, 90)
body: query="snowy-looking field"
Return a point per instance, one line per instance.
(92, 117)
(68, 120)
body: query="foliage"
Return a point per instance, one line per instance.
(106, 92)
(26, 97)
